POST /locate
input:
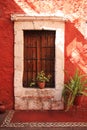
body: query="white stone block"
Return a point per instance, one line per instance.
(34, 104)
(18, 76)
(20, 103)
(47, 104)
(19, 51)
(18, 64)
(18, 40)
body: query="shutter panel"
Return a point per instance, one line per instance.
(39, 54)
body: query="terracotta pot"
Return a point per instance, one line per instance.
(2, 108)
(41, 84)
(78, 100)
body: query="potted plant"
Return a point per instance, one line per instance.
(75, 87)
(41, 79)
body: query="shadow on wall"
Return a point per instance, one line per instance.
(9, 7)
(75, 50)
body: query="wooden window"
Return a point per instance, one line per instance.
(39, 54)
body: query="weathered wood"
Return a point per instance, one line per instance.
(39, 54)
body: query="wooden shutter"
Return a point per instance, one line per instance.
(39, 54)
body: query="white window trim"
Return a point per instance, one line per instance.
(25, 22)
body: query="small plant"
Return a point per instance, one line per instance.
(41, 77)
(75, 86)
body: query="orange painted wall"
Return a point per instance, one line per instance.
(8, 7)
(75, 46)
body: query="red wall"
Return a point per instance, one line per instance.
(8, 7)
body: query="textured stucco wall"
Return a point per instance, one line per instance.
(74, 40)
(7, 7)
